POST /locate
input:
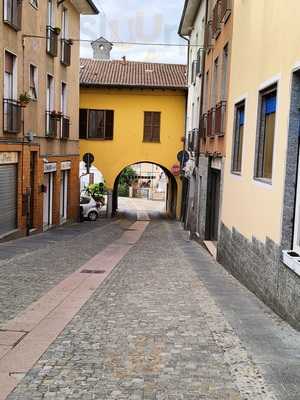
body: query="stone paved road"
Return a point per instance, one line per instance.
(171, 324)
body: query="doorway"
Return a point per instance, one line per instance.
(48, 200)
(214, 205)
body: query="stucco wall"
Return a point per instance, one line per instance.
(264, 50)
(127, 147)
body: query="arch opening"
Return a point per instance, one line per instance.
(150, 187)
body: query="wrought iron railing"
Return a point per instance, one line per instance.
(65, 127)
(52, 41)
(220, 118)
(65, 52)
(51, 124)
(12, 110)
(211, 122)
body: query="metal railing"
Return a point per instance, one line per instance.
(65, 52)
(51, 124)
(13, 13)
(65, 127)
(210, 122)
(220, 118)
(12, 122)
(52, 41)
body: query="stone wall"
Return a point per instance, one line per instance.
(257, 265)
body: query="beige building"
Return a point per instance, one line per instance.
(261, 203)
(39, 147)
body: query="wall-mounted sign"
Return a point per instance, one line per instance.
(216, 163)
(49, 167)
(65, 165)
(175, 170)
(183, 156)
(8, 157)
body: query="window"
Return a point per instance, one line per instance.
(51, 119)
(11, 107)
(10, 76)
(215, 83)
(63, 101)
(266, 131)
(96, 124)
(225, 73)
(33, 81)
(151, 126)
(238, 137)
(12, 13)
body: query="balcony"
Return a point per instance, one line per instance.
(211, 122)
(65, 127)
(11, 116)
(65, 52)
(51, 124)
(208, 36)
(52, 41)
(220, 118)
(216, 21)
(225, 10)
(12, 13)
(203, 126)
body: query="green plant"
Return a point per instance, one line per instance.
(56, 30)
(97, 191)
(127, 176)
(123, 190)
(24, 98)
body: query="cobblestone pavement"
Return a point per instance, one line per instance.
(31, 266)
(158, 329)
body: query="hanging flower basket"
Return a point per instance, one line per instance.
(24, 99)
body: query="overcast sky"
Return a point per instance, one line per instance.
(154, 21)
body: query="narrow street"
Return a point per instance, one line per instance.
(160, 320)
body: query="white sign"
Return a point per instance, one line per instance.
(8, 157)
(65, 165)
(49, 167)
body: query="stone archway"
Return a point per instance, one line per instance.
(171, 193)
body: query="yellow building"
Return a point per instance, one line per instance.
(261, 207)
(133, 112)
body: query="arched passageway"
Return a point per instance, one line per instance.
(144, 185)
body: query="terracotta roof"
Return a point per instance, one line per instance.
(119, 73)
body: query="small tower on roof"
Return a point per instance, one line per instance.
(101, 48)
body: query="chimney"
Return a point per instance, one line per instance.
(101, 49)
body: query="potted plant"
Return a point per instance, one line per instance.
(56, 30)
(70, 42)
(24, 99)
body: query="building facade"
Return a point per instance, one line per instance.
(132, 112)
(39, 146)
(260, 213)
(208, 26)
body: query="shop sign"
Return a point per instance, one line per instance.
(175, 170)
(8, 157)
(216, 163)
(49, 167)
(65, 165)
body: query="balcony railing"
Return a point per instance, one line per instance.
(225, 9)
(216, 21)
(52, 41)
(211, 122)
(65, 52)
(208, 36)
(51, 124)
(65, 127)
(220, 118)
(203, 126)
(12, 13)
(11, 116)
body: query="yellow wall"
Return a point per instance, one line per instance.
(264, 49)
(127, 147)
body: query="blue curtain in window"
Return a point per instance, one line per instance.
(241, 117)
(270, 104)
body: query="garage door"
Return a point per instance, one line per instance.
(8, 198)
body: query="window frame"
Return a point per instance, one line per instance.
(153, 139)
(261, 132)
(36, 81)
(237, 135)
(87, 124)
